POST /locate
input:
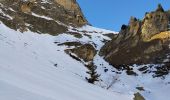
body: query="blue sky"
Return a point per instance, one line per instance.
(111, 14)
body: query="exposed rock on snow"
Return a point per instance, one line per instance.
(85, 52)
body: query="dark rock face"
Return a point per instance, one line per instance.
(140, 42)
(85, 52)
(49, 17)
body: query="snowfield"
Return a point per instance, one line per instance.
(27, 71)
(34, 67)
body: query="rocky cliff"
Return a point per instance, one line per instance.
(144, 41)
(42, 16)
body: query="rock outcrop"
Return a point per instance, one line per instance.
(85, 52)
(154, 23)
(72, 6)
(141, 41)
(41, 16)
(138, 96)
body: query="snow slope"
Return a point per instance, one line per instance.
(27, 70)
(34, 67)
(154, 88)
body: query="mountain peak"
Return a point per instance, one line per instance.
(68, 4)
(160, 8)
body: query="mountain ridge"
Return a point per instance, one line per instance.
(140, 42)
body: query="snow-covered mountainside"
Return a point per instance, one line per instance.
(49, 52)
(33, 66)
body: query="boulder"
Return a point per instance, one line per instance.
(138, 96)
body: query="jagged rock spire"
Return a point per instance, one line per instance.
(160, 8)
